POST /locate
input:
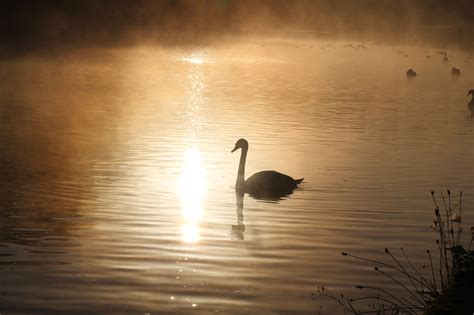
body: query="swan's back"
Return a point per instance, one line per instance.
(270, 183)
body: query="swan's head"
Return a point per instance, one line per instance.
(471, 92)
(241, 144)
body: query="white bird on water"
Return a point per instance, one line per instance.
(470, 105)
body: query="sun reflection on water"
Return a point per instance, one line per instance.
(197, 60)
(193, 188)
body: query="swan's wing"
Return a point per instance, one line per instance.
(269, 183)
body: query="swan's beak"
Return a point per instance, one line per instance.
(234, 149)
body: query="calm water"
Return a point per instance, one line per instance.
(117, 179)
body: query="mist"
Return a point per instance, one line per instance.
(218, 156)
(54, 25)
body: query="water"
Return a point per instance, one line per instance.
(117, 178)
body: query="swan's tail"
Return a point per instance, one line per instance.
(298, 181)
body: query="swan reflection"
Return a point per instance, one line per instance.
(237, 230)
(193, 187)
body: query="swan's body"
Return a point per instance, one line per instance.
(411, 73)
(268, 183)
(264, 184)
(470, 106)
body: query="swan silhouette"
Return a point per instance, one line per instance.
(470, 106)
(265, 184)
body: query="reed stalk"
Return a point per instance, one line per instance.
(422, 292)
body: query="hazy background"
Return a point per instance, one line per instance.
(116, 123)
(52, 24)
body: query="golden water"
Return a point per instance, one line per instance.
(117, 178)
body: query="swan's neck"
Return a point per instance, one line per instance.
(239, 184)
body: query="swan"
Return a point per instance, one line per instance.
(470, 106)
(264, 184)
(455, 71)
(411, 73)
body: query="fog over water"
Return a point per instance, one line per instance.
(117, 119)
(50, 24)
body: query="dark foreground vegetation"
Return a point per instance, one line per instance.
(445, 285)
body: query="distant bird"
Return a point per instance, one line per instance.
(264, 184)
(455, 71)
(411, 73)
(470, 106)
(445, 58)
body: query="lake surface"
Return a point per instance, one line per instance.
(117, 179)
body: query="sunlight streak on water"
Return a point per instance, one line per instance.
(193, 111)
(193, 181)
(195, 60)
(193, 187)
(196, 57)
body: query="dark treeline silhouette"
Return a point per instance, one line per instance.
(27, 24)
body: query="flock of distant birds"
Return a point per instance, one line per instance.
(272, 185)
(411, 73)
(454, 72)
